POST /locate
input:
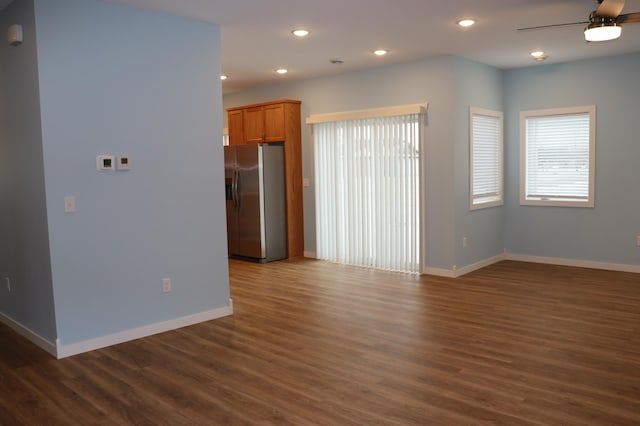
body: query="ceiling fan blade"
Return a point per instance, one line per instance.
(610, 8)
(544, 27)
(628, 18)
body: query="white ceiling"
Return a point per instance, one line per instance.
(256, 36)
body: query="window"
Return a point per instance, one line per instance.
(557, 149)
(367, 174)
(485, 162)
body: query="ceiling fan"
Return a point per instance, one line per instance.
(605, 23)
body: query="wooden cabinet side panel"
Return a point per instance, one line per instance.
(293, 157)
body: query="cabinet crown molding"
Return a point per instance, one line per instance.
(281, 101)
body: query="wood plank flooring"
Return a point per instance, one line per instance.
(316, 343)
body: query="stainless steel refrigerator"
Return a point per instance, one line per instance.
(256, 209)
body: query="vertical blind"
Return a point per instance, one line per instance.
(486, 158)
(367, 192)
(557, 157)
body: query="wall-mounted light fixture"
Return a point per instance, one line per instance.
(14, 35)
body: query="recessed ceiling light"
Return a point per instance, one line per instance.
(300, 32)
(538, 55)
(223, 77)
(466, 22)
(282, 70)
(380, 52)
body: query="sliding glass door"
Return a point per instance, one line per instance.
(368, 191)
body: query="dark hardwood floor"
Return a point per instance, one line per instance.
(315, 343)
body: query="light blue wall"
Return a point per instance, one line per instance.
(476, 85)
(24, 252)
(450, 85)
(122, 81)
(607, 232)
(416, 82)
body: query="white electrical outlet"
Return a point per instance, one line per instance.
(166, 285)
(8, 281)
(465, 242)
(638, 240)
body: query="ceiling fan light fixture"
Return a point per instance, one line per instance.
(602, 32)
(602, 28)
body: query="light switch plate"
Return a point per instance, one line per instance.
(69, 204)
(166, 285)
(14, 35)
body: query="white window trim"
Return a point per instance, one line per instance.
(591, 110)
(368, 113)
(473, 111)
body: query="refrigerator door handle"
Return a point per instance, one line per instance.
(236, 178)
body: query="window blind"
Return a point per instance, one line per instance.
(486, 158)
(558, 157)
(367, 191)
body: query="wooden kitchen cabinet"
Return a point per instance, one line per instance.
(264, 123)
(253, 125)
(235, 125)
(277, 121)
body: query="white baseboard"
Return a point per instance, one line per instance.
(478, 265)
(59, 350)
(27, 333)
(574, 262)
(310, 254)
(455, 272)
(439, 272)
(63, 351)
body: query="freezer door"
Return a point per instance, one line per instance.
(230, 173)
(251, 232)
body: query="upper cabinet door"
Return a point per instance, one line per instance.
(236, 127)
(259, 123)
(274, 123)
(253, 125)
